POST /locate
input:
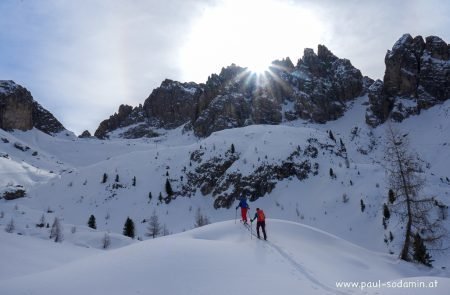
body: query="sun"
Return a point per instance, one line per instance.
(249, 33)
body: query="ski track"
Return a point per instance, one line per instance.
(297, 266)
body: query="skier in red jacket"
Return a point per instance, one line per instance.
(261, 222)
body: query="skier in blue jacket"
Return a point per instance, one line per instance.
(244, 208)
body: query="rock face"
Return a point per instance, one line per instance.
(19, 111)
(417, 77)
(13, 194)
(317, 89)
(212, 175)
(85, 134)
(126, 116)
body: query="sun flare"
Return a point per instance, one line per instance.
(250, 33)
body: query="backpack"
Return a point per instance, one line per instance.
(261, 216)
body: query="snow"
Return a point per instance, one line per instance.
(222, 258)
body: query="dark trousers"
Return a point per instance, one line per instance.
(261, 224)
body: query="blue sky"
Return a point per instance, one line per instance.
(82, 59)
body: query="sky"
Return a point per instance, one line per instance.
(82, 59)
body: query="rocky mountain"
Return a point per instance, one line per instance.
(316, 89)
(417, 77)
(18, 110)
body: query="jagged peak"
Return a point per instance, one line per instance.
(8, 86)
(284, 64)
(325, 54)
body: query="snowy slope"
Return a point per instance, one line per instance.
(65, 177)
(223, 259)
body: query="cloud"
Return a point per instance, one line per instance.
(81, 59)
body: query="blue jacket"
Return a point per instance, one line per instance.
(243, 204)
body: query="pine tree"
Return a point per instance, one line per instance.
(128, 229)
(91, 222)
(332, 175)
(150, 196)
(391, 196)
(134, 181)
(169, 190)
(420, 252)
(160, 197)
(232, 149)
(117, 178)
(105, 178)
(154, 227)
(363, 206)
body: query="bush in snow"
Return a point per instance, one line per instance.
(165, 231)
(41, 221)
(345, 198)
(56, 231)
(200, 219)
(421, 254)
(106, 241)
(10, 227)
